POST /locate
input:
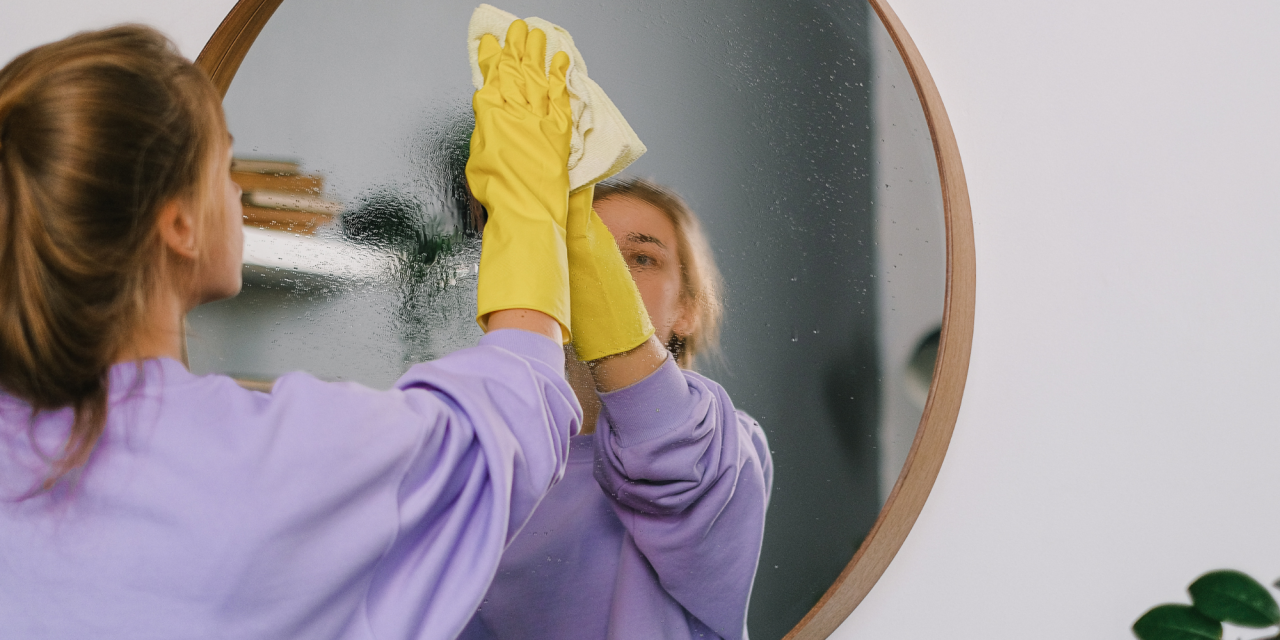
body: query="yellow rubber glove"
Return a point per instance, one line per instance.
(608, 313)
(519, 171)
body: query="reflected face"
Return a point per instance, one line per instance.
(222, 259)
(647, 239)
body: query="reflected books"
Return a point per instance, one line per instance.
(278, 196)
(273, 167)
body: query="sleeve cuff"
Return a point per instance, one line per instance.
(527, 344)
(650, 407)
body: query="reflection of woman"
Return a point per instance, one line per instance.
(655, 530)
(138, 500)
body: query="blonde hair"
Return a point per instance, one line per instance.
(700, 281)
(97, 132)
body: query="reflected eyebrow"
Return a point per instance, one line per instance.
(644, 237)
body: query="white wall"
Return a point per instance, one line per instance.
(24, 25)
(1118, 434)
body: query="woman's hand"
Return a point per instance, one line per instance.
(608, 314)
(519, 171)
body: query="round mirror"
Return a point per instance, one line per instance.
(795, 131)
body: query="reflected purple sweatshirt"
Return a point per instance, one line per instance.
(323, 510)
(655, 530)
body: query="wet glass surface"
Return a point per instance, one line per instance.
(791, 128)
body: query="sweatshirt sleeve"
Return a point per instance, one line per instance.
(690, 478)
(499, 420)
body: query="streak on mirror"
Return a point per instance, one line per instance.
(795, 131)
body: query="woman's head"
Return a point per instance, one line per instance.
(110, 144)
(670, 261)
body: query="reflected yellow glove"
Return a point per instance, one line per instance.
(608, 313)
(519, 171)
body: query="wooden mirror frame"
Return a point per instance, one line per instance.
(228, 46)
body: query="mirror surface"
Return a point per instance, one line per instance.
(791, 128)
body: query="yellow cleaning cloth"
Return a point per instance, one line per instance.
(603, 144)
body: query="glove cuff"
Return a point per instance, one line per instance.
(528, 272)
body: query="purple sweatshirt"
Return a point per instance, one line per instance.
(322, 510)
(655, 530)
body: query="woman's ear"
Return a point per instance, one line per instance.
(687, 323)
(176, 224)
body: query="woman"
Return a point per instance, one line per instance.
(655, 530)
(140, 501)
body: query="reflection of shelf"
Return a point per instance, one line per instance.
(313, 185)
(308, 255)
(268, 166)
(277, 196)
(305, 222)
(288, 201)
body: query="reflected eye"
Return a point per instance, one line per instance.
(639, 260)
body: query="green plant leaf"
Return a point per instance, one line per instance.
(1176, 622)
(1231, 596)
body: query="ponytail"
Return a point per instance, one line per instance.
(97, 132)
